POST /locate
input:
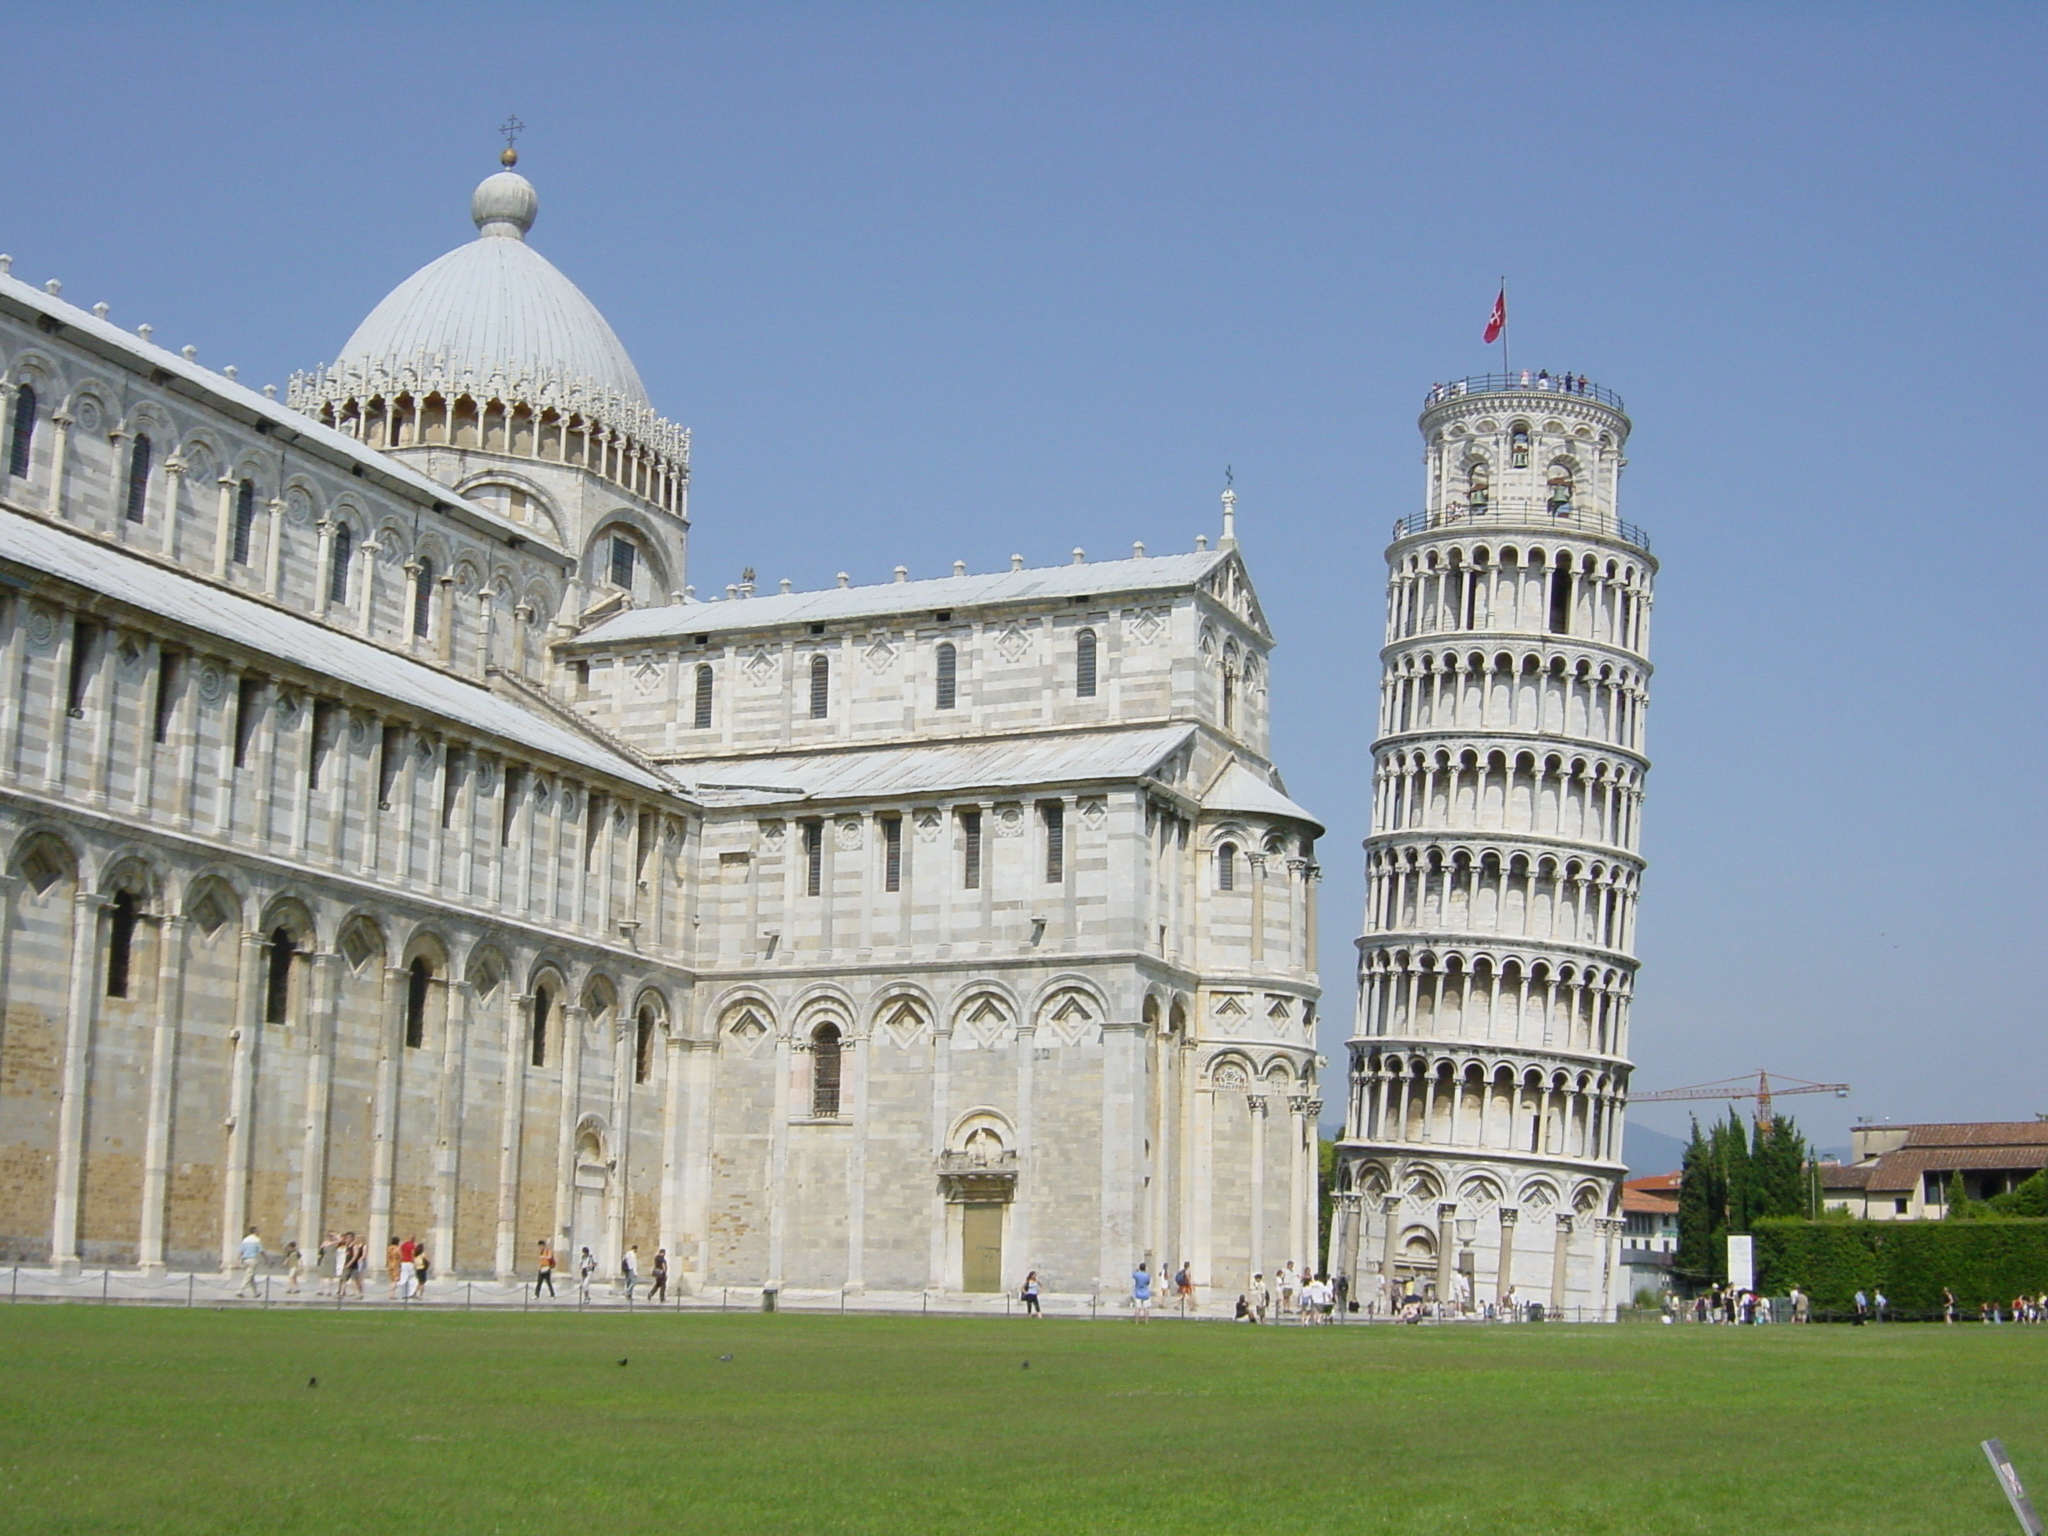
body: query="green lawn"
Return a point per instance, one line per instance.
(132, 1419)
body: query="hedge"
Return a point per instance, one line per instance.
(1910, 1261)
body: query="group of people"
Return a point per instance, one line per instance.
(2024, 1309)
(1732, 1304)
(1309, 1296)
(344, 1256)
(1564, 383)
(586, 1272)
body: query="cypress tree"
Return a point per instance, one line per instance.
(1698, 1202)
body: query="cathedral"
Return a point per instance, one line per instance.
(392, 839)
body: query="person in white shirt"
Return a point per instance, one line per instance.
(251, 1256)
(629, 1270)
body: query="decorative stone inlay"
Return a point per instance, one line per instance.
(42, 628)
(846, 832)
(771, 836)
(1014, 643)
(211, 684)
(759, 666)
(928, 825)
(1094, 812)
(879, 655)
(1009, 820)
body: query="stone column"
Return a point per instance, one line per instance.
(668, 1221)
(1560, 1260)
(1123, 1090)
(854, 1077)
(60, 454)
(1390, 1213)
(81, 1003)
(242, 1042)
(565, 1132)
(1504, 1277)
(461, 1000)
(1298, 1184)
(778, 1150)
(325, 985)
(1255, 1115)
(224, 527)
(273, 555)
(510, 1111)
(323, 564)
(384, 1112)
(1311, 1173)
(174, 498)
(1355, 1240)
(1446, 1251)
(694, 1228)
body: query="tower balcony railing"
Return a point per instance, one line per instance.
(1539, 381)
(1507, 512)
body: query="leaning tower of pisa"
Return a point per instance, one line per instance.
(1489, 1060)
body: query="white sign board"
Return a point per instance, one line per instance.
(1742, 1262)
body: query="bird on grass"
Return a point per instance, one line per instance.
(312, 1381)
(1026, 1365)
(622, 1362)
(725, 1357)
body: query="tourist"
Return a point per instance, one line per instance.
(1030, 1294)
(546, 1270)
(294, 1266)
(408, 1269)
(1184, 1286)
(629, 1271)
(251, 1255)
(358, 1261)
(1289, 1283)
(586, 1266)
(325, 1265)
(1948, 1305)
(1880, 1303)
(420, 1266)
(1141, 1294)
(1342, 1293)
(1802, 1306)
(392, 1265)
(1243, 1314)
(657, 1290)
(1259, 1297)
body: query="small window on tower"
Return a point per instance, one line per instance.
(1518, 445)
(949, 672)
(623, 557)
(1478, 486)
(1560, 490)
(700, 715)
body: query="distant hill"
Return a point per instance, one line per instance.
(1647, 1151)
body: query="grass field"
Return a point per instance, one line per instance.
(132, 1419)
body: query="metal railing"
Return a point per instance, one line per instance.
(1523, 382)
(1507, 512)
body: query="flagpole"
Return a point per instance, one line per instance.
(1506, 366)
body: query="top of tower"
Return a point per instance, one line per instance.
(1540, 381)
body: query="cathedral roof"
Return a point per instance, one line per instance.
(267, 630)
(880, 773)
(1104, 578)
(1244, 790)
(495, 309)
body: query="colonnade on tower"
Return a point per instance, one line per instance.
(1482, 1153)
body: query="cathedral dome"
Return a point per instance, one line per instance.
(496, 309)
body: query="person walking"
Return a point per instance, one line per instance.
(1258, 1296)
(1862, 1308)
(1880, 1304)
(408, 1270)
(1288, 1283)
(1141, 1294)
(1948, 1306)
(1184, 1286)
(393, 1264)
(250, 1256)
(586, 1266)
(1030, 1294)
(629, 1271)
(545, 1270)
(294, 1266)
(420, 1267)
(1341, 1288)
(657, 1289)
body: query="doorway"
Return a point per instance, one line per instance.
(981, 1256)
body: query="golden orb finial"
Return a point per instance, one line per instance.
(508, 157)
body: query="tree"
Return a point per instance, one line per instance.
(1778, 1159)
(1957, 1206)
(1699, 1204)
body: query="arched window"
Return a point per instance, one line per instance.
(1478, 486)
(1561, 596)
(700, 719)
(624, 557)
(1229, 696)
(821, 687)
(245, 521)
(121, 942)
(338, 558)
(138, 477)
(949, 673)
(643, 1047)
(277, 977)
(418, 977)
(1084, 664)
(1518, 445)
(423, 599)
(1560, 490)
(825, 1070)
(1226, 867)
(24, 431)
(543, 1003)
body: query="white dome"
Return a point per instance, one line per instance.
(495, 308)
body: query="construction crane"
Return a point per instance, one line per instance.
(1763, 1089)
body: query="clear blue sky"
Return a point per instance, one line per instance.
(948, 281)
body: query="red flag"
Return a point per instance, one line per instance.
(1498, 320)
